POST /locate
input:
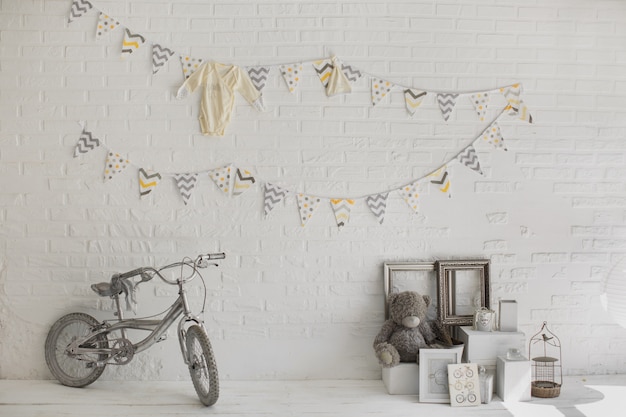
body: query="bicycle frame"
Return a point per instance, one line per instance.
(157, 329)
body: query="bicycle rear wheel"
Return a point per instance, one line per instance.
(202, 365)
(68, 369)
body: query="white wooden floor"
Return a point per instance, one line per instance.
(591, 396)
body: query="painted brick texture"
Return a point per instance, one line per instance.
(292, 302)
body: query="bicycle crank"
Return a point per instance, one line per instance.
(122, 351)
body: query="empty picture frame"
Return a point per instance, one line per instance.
(462, 287)
(410, 276)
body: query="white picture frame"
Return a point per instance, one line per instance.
(464, 385)
(433, 373)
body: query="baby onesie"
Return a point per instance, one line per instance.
(219, 83)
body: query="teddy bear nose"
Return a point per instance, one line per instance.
(411, 321)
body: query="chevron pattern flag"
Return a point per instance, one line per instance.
(410, 194)
(446, 104)
(190, 65)
(259, 75)
(186, 183)
(480, 102)
(516, 106)
(378, 205)
(351, 73)
(221, 177)
(273, 194)
(106, 24)
(469, 158)
(493, 136)
(147, 181)
(413, 99)
(380, 89)
(441, 178)
(114, 164)
(86, 142)
(160, 56)
(323, 68)
(78, 9)
(131, 42)
(292, 74)
(342, 209)
(307, 205)
(243, 181)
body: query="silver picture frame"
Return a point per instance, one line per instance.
(390, 269)
(462, 287)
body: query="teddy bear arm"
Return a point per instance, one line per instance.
(385, 333)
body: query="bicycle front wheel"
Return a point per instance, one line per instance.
(70, 370)
(202, 365)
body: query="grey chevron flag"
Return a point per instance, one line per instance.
(131, 42)
(85, 143)
(273, 195)
(351, 73)
(160, 56)
(469, 158)
(258, 75)
(78, 9)
(186, 183)
(378, 205)
(446, 104)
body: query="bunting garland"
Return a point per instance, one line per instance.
(335, 77)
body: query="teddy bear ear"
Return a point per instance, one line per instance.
(427, 300)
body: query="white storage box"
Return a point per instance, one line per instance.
(403, 379)
(485, 346)
(513, 379)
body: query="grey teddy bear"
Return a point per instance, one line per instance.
(408, 330)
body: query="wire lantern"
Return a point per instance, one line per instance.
(544, 351)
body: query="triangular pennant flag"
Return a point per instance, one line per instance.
(292, 74)
(85, 143)
(190, 65)
(380, 88)
(79, 8)
(160, 56)
(410, 194)
(413, 99)
(221, 177)
(114, 164)
(342, 208)
(106, 24)
(131, 42)
(243, 181)
(323, 68)
(493, 136)
(469, 158)
(378, 205)
(351, 73)
(446, 104)
(515, 105)
(480, 102)
(273, 194)
(307, 205)
(186, 183)
(441, 178)
(258, 76)
(147, 181)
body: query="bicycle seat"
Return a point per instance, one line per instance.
(104, 289)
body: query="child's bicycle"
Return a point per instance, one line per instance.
(78, 346)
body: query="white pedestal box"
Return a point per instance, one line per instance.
(489, 345)
(403, 379)
(513, 379)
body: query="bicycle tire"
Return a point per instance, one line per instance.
(202, 365)
(68, 370)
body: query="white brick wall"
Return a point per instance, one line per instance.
(293, 302)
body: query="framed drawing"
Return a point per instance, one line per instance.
(462, 287)
(411, 276)
(464, 384)
(433, 373)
